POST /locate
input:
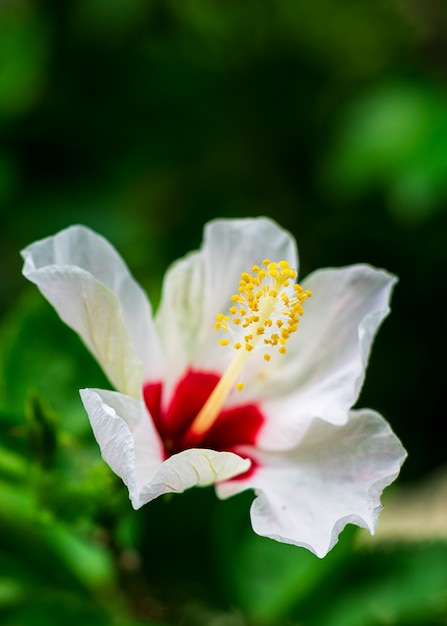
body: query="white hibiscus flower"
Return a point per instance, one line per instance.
(263, 403)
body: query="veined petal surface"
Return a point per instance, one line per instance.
(90, 287)
(322, 373)
(231, 247)
(126, 436)
(334, 477)
(179, 318)
(195, 467)
(132, 448)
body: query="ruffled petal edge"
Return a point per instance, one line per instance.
(131, 447)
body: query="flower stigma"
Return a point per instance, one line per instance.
(265, 312)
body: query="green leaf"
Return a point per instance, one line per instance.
(273, 578)
(394, 137)
(393, 587)
(12, 465)
(23, 57)
(41, 356)
(42, 430)
(11, 592)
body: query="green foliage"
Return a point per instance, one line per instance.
(71, 547)
(23, 57)
(144, 119)
(395, 138)
(57, 558)
(42, 429)
(397, 586)
(32, 330)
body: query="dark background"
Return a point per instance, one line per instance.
(143, 119)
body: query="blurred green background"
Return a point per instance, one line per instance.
(143, 119)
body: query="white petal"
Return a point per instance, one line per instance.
(231, 247)
(334, 477)
(89, 285)
(132, 448)
(322, 373)
(179, 318)
(200, 286)
(196, 467)
(126, 435)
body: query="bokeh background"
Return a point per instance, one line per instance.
(143, 119)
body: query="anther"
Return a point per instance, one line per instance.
(265, 302)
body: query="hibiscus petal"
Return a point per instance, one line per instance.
(132, 448)
(231, 247)
(126, 435)
(196, 467)
(334, 477)
(322, 373)
(89, 285)
(199, 286)
(179, 317)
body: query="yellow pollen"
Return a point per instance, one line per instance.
(267, 301)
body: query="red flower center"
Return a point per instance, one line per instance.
(233, 427)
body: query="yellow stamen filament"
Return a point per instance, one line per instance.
(211, 409)
(267, 302)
